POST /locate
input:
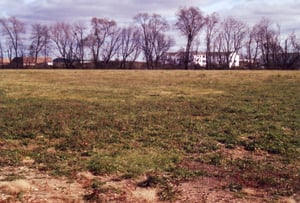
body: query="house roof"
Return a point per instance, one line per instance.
(31, 60)
(60, 60)
(198, 53)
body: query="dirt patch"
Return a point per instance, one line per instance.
(38, 187)
(210, 190)
(14, 187)
(241, 153)
(31, 185)
(205, 190)
(145, 195)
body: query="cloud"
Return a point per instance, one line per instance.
(72, 10)
(286, 13)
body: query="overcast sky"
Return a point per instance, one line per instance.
(284, 12)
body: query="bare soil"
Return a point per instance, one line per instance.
(32, 185)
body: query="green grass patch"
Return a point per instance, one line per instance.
(133, 162)
(133, 122)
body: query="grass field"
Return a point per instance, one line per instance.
(242, 126)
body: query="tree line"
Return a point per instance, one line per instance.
(103, 42)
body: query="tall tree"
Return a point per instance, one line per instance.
(40, 36)
(80, 34)
(162, 44)
(1, 54)
(152, 29)
(111, 44)
(218, 42)
(233, 34)
(252, 46)
(211, 22)
(190, 21)
(63, 37)
(13, 29)
(129, 45)
(9, 51)
(289, 52)
(101, 29)
(268, 37)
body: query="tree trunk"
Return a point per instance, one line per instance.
(187, 53)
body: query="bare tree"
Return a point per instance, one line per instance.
(13, 29)
(268, 41)
(211, 22)
(143, 21)
(265, 41)
(129, 46)
(63, 38)
(218, 57)
(101, 28)
(111, 44)
(80, 34)
(9, 51)
(162, 44)
(40, 36)
(152, 29)
(252, 46)
(1, 54)
(190, 21)
(233, 34)
(289, 52)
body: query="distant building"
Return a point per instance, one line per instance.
(249, 63)
(173, 58)
(217, 58)
(59, 62)
(4, 61)
(68, 63)
(19, 62)
(200, 59)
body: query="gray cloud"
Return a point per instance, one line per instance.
(286, 13)
(72, 10)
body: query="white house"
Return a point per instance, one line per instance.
(173, 58)
(234, 60)
(216, 58)
(200, 59)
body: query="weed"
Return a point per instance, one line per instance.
(166, 190)
(180, 173)
(167, 193)
(245, 164)
(97, 188)
(235, 187)
(152, 181)
(10, 157)
(132, 162)
(101, 165)
(12, 177)
(216, 159)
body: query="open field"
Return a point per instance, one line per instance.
(136, 136)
